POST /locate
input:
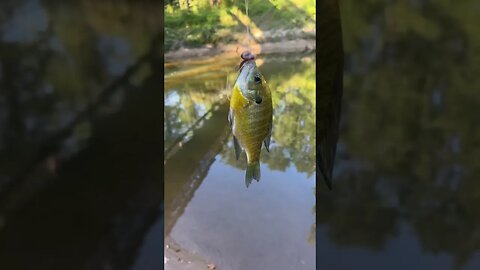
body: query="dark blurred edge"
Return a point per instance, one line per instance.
(52, 231)
(329, 84)
(162, 89)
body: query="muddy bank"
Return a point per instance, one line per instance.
(178, 258)
(289, 46)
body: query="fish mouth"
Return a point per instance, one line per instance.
(249, 63)
(242, 63)
(246, 69)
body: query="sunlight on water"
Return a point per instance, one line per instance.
(209, 211)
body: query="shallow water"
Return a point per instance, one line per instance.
(208, 209)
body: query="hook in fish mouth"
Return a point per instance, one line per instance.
(246, 56)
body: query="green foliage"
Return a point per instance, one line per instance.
(204, 24)
(195, 27)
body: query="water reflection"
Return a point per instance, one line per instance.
(294, 131)
(406, 191)
(79, 138)
(205, 189)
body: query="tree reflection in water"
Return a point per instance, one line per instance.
(79, 136)
(409, 137)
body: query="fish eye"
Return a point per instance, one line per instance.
(257, 79)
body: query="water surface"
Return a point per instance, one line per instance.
(405, 190)
(208, 209)
(80, 137)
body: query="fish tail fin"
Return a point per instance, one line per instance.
(253, 172)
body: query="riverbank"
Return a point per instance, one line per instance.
(269, 42)
(178, 258)
(290, 46)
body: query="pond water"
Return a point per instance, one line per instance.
(208, 209)
(80, 132)
(81, 158)
(405, 192)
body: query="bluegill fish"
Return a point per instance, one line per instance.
(250, 115)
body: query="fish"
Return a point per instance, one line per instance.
(250, 115)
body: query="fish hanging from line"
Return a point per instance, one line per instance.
(250, 115)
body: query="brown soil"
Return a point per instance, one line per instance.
(289, 46)
(177, 258)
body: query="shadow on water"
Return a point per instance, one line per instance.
(201, 151)
(405, 189)
(80, 138)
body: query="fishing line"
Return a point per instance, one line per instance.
(246, 55)
(247, 23)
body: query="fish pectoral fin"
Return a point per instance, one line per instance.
(238, 149)
(266, 142)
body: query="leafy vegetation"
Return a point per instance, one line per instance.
(198, 22)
